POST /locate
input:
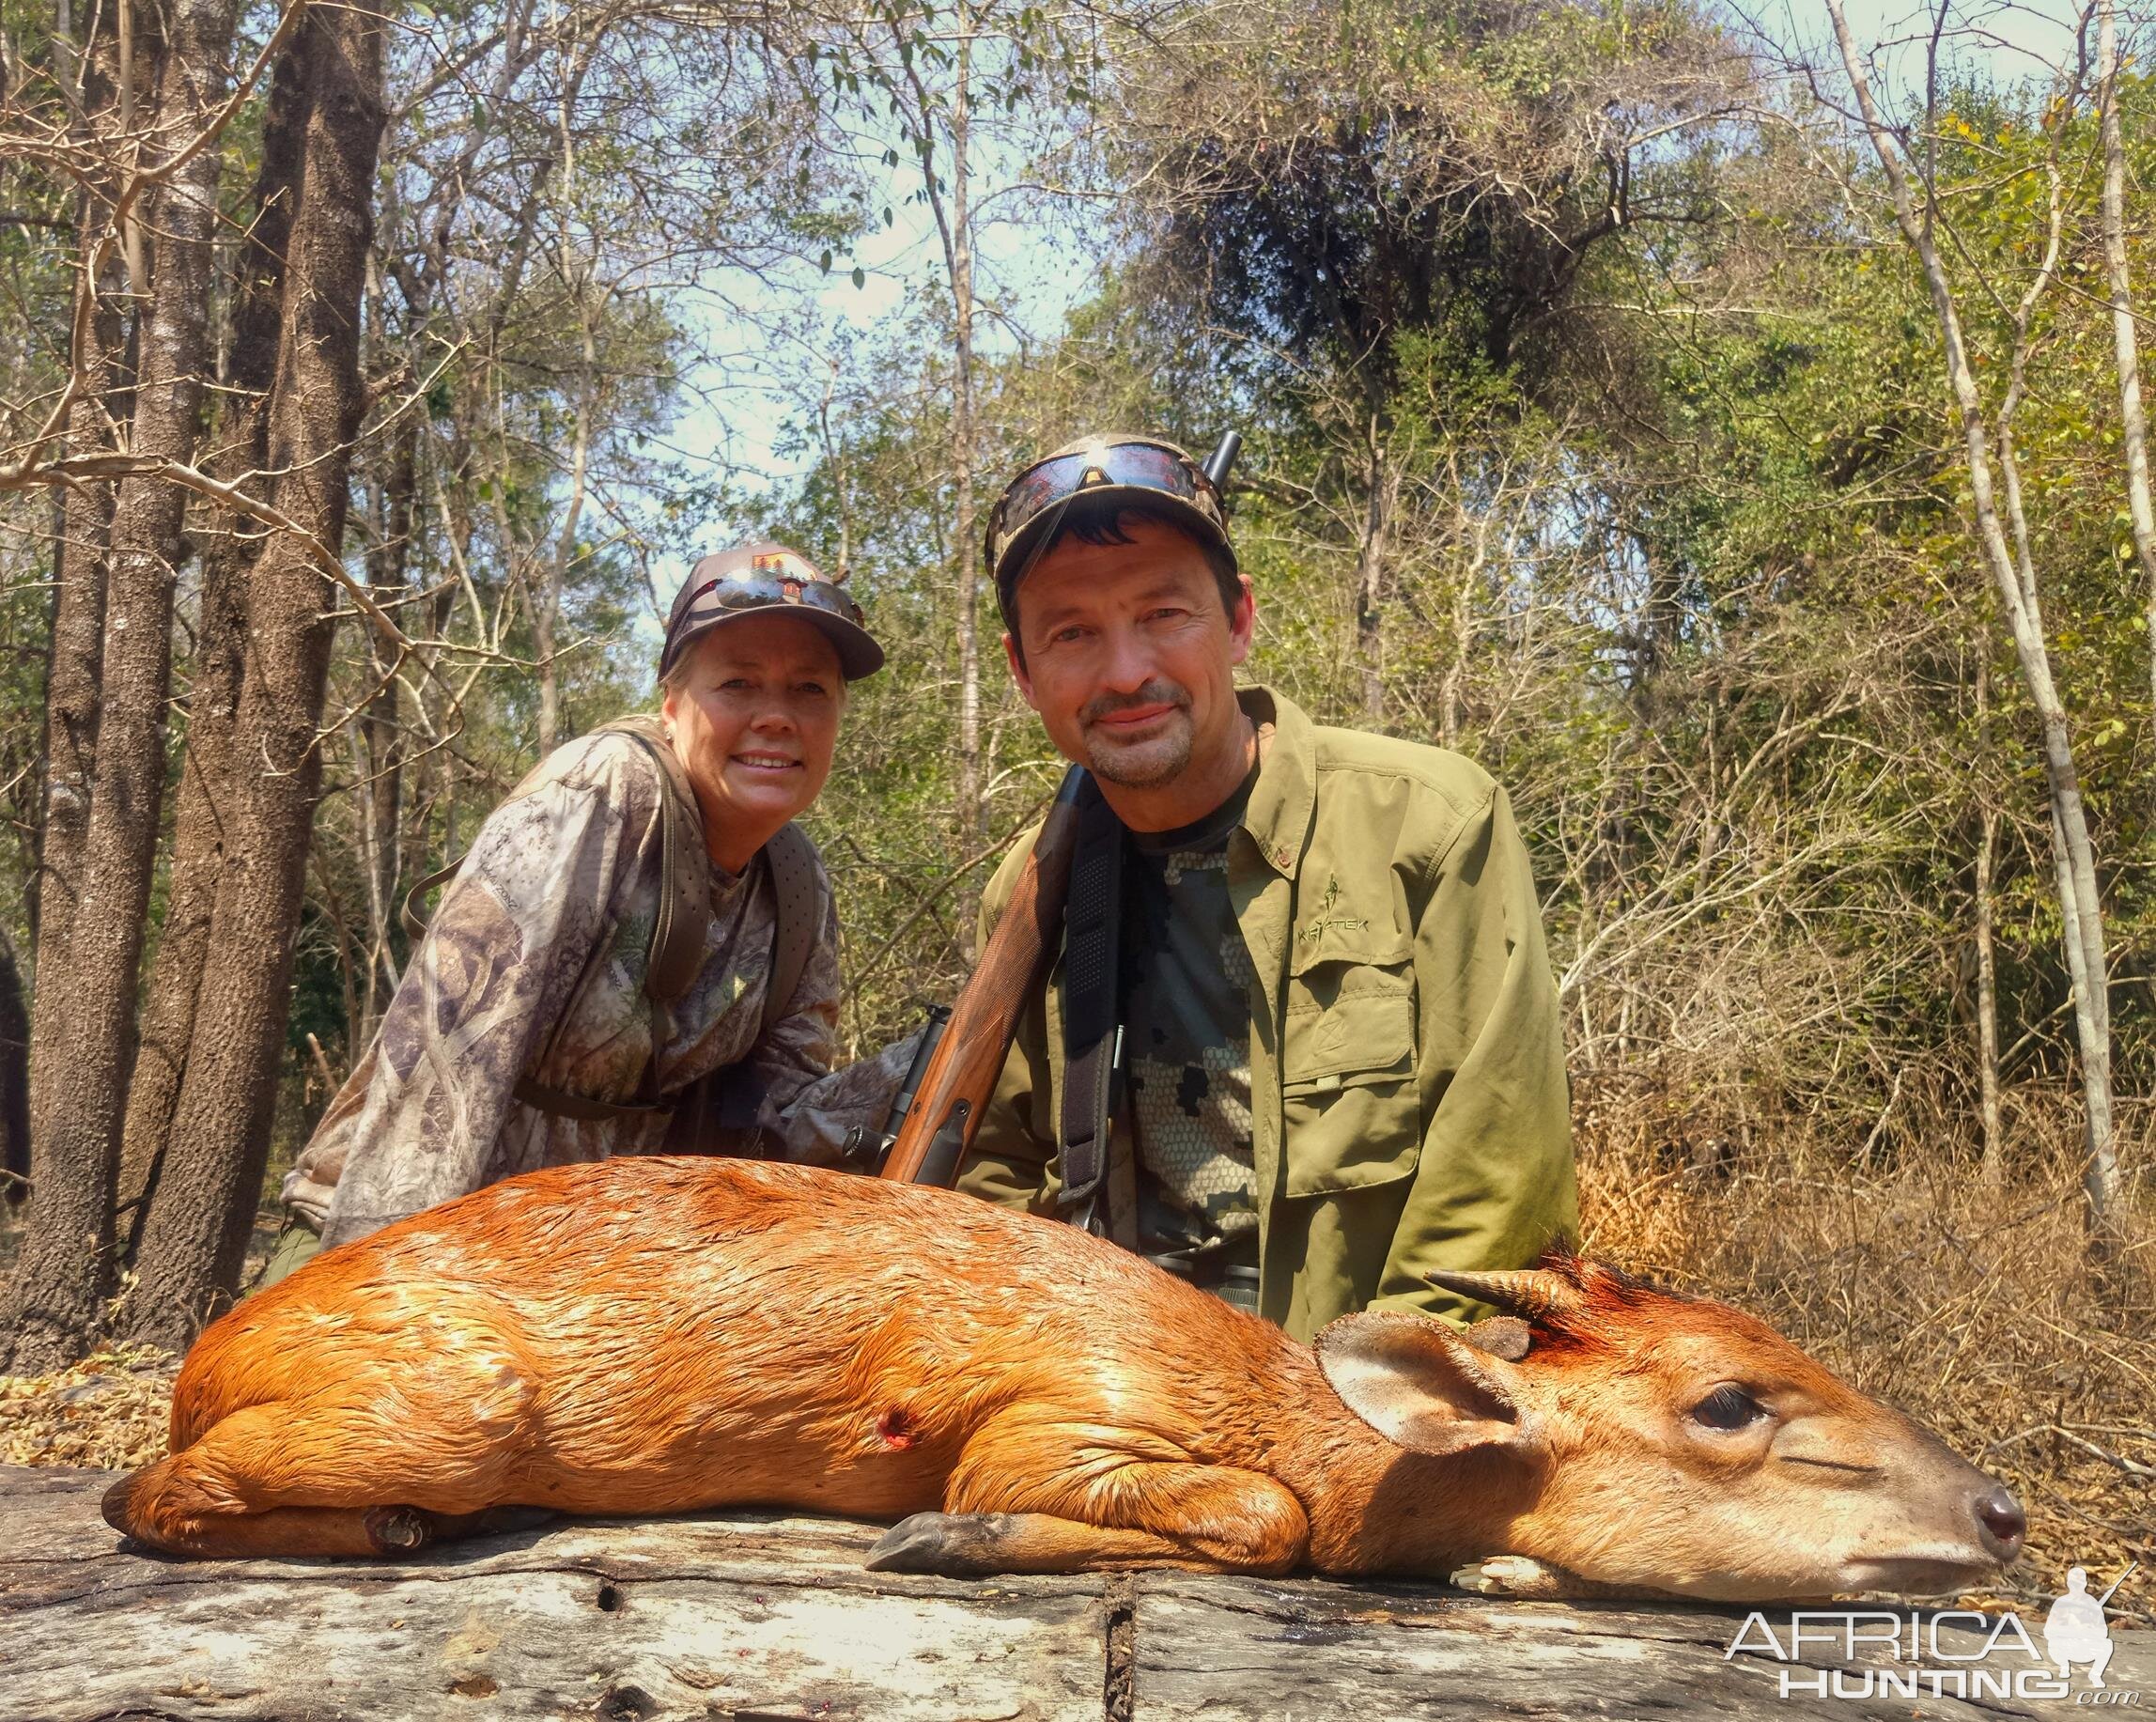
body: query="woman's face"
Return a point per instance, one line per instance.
(755, 716)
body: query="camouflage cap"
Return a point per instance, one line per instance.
(1102, 473)
(752, 578)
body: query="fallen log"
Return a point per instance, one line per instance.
(756, 1616)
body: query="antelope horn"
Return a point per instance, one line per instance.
(1532, 1291)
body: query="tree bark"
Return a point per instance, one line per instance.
(71, 672)
(65, 1268)
(228, 549)
(74, 648)
(196, 1240)
(2133, 419)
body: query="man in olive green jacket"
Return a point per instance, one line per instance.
(1343, 1062)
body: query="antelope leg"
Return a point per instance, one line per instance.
(1520, 1576)
(976, 1545)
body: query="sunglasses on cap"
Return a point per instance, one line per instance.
(762, 578)
(1132, 464)
(757, 591)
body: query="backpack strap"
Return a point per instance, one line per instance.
(684, 918)
(792, 857)
(415, 923)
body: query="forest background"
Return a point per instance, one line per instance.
(1725, 427)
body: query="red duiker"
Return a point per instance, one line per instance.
(655, 1335)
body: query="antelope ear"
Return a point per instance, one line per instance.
(1421, 1386)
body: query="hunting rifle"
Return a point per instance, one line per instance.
(939, 1106)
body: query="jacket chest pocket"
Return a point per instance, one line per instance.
(1350, 1110)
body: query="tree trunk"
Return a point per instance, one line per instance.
(2074, 855)
(2133, 420)
(74, 648)
(1995, 1145)
(76, 641)
(1453, 688)
(2092, 1021)
(64, 1269)
(1994, 1153)
(196, 1240)
(1369, 575)
(547, 601)
(971, 767)
(228, 553)
(951, 202)
(14, 1079)
(381, 810)
(1995, 1160)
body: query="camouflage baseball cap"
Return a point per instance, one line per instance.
(1099, 474)
(752, 578)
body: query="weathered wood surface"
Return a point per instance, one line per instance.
(1232, 1649)
(756, 1617)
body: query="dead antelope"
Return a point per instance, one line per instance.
(658, 1335)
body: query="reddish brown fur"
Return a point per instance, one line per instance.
(656, 1335)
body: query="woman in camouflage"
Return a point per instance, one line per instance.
(525, 1032)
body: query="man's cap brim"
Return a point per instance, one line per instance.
(858, 653)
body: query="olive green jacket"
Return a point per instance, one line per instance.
(1407, 1086)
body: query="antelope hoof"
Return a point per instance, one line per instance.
(119, 1503)
(1513, 1576)
(951, 1545)
(398, 1531)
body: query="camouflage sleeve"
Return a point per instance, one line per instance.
(418, 1119)
(810, 1109)
(1495, 1182)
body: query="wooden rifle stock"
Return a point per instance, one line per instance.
(961, 1075)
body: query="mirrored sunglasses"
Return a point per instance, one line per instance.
(759, 587)
(1144, 465)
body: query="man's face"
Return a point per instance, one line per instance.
(754, 717)
(1129, 657)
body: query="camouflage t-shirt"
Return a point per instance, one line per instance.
(1185, 977)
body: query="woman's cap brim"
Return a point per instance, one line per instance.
(858, 653)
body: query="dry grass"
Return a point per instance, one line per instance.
(1979, 1311)
(109, 1411)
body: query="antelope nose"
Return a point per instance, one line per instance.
(2004, 1522)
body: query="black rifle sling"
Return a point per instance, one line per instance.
(1092, 915)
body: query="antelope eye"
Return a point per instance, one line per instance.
(1728, 1407)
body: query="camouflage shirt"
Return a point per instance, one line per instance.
(1186, 982)
(534, 965)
